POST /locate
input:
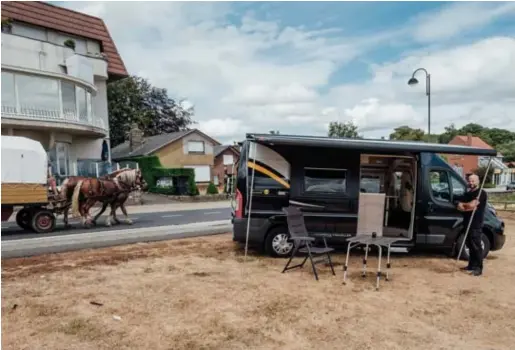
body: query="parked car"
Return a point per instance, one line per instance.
(511, 186)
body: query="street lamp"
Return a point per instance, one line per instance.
(414, 81)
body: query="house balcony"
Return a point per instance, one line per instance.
(68, 121)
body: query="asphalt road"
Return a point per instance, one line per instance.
(11, 231)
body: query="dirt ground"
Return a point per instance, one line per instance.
(201, 294)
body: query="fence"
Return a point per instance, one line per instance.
(503, 205)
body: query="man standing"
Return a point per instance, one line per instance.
(474, 199)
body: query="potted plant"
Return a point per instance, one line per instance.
(7, 25)
(69, 43)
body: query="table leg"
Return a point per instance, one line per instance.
(379, 266)
(346, 263)
(364, 273)
(388, 262)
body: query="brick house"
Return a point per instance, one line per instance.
(183, 149)
(466, 164)
(225, 162)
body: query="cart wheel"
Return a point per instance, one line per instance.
(23, 219)
(43, 221)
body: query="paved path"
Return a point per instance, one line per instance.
(148, 216)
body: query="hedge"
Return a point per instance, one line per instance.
(152, 170)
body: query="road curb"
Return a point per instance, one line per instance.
(100, 239)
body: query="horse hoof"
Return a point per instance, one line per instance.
(129, 222)
(67, 226)
(108, 224)
(94, 223)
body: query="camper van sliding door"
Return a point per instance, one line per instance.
(325, 195)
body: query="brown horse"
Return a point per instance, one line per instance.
(130, 179)
(111, 189)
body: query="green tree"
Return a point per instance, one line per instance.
(508, 151)
(449, 133)
(406, 133)
(346, 129)
(135, 100)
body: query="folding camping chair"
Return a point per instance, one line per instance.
(302, 242)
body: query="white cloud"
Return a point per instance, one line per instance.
(457, 18)
(261, 76)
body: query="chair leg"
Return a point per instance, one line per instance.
(331, 263)
(312, 263)
(364, 273)
(345, 267)
(295, 248)
(379, 266)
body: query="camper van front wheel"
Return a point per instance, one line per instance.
(485, 244)
(277, 243)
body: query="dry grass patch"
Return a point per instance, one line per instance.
(201, 294)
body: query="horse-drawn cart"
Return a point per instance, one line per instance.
(25, 185)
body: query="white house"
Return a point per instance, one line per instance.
(56, 64)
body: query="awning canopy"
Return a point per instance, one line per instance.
(369, 144)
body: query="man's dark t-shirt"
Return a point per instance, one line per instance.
(477, 220)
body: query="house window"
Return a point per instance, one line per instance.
(27, 31)
(196, 147)
(8, 93)
(82, 103)
(228, 159)
(38, 95)
(325, 180)
(202, 172)
(69, 99)
(59, 157)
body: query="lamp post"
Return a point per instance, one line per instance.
(414, 81)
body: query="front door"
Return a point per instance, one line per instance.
(438, 219)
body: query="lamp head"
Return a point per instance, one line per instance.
(412, 81)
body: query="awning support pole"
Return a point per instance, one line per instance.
(472, 215)
(250, 197)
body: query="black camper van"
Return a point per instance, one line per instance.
(325, 178)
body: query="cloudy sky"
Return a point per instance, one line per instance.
(294, 67)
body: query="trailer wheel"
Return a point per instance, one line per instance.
(23, 219)
(43, 221)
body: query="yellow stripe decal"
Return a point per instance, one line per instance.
(268, 173)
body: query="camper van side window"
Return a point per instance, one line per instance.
(325, 181)
(264, 182)
(440, 185)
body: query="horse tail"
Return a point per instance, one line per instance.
(75, 199)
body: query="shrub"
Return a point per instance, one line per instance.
(152, 170)
(69, 43)
(211, 189)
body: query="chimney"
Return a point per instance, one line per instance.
(469, 139)
(135, 137)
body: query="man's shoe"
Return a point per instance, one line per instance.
(467, 268)
(477, 273)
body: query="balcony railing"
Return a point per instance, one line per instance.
(48, 115)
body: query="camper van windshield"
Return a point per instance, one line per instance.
(317, 180)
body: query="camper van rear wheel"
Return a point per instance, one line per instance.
(23, 218)
(485, 244)
(43, 221)
(277, 243)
